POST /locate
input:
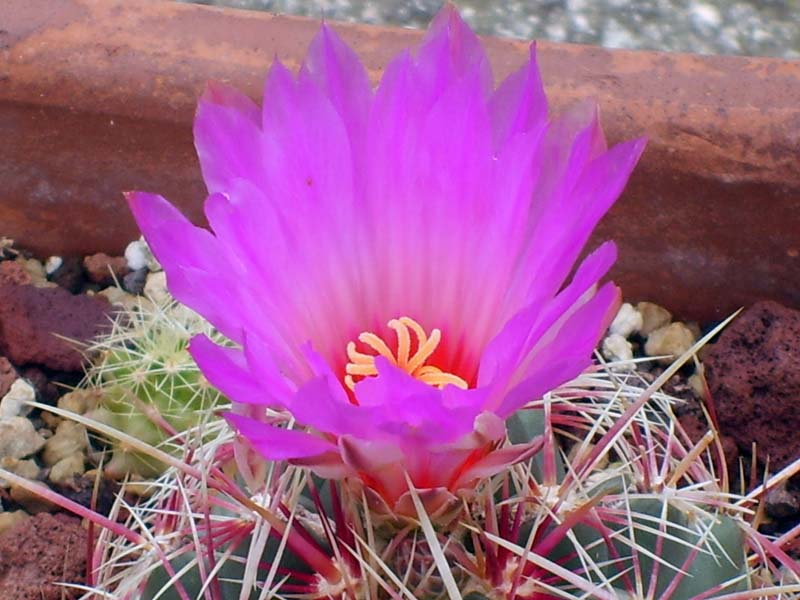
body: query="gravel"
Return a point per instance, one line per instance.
(756, 27)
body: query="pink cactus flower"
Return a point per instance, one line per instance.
(391, 263)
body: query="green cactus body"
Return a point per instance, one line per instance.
(230, 574)
(602, 511)
(707, 546)
(145, 374)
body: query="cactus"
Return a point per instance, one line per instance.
(148, 383)
(619, 503)
(689, 552)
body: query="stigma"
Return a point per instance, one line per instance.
(423, 345)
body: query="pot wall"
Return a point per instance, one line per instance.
(97, 97)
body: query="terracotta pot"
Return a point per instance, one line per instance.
(97, 97)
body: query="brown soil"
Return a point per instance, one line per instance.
(39, 553)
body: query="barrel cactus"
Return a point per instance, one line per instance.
(617, 502)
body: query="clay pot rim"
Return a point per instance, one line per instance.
(99, 97)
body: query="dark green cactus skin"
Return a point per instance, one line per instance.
(720, 563)
(229, 576)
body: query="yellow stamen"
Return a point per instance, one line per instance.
(363, 365)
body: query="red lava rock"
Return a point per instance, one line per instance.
(753, 372)
(12, 272)
(31, 318)
(99, 267)
(40, 552)
(8, 375)
(781, 503)
(69, 275)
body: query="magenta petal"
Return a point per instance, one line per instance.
(333, 210)
(337, 70)
(525, 329)
(450, 51)
(393, 406)
(191, 256)
(497, 461)
(315, 405)
(227, 370)
(569, 352)
(599, 186)
(262, 363)
(519, 104)
(222, 95)
(227, 137)
(156, 217)
(570, 141)
(276, 443)
(408, 409)
(174, 241)
(308, 159)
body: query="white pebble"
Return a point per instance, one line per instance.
(617, 348)
(136, 255)
(120, 297)
(67, 468)
(155, 288)
(669, 341)
(653, 317)
(70, 438)
(705, 16)
(24, 468)
(18, 438)
(139, 256)
(52, 264)
(15, 402)
(627, 321)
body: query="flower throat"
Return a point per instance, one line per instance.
(363, 365)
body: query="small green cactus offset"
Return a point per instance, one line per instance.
(149, 383)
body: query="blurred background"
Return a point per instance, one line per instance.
(758, 28)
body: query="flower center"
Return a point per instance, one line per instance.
(363, 365)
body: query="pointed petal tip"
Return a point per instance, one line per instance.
(278, 77)
(629, 152)
(614, 293)
(609, 248)
(198, 343)
(216, 92)
(449, 11)
(135, 200)
(134, 196)
(146, 206)
(217, 95)
(323, 36)
(277, 443)
(640, 144)
(326, 31)
(448, 21)
(212, 92)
